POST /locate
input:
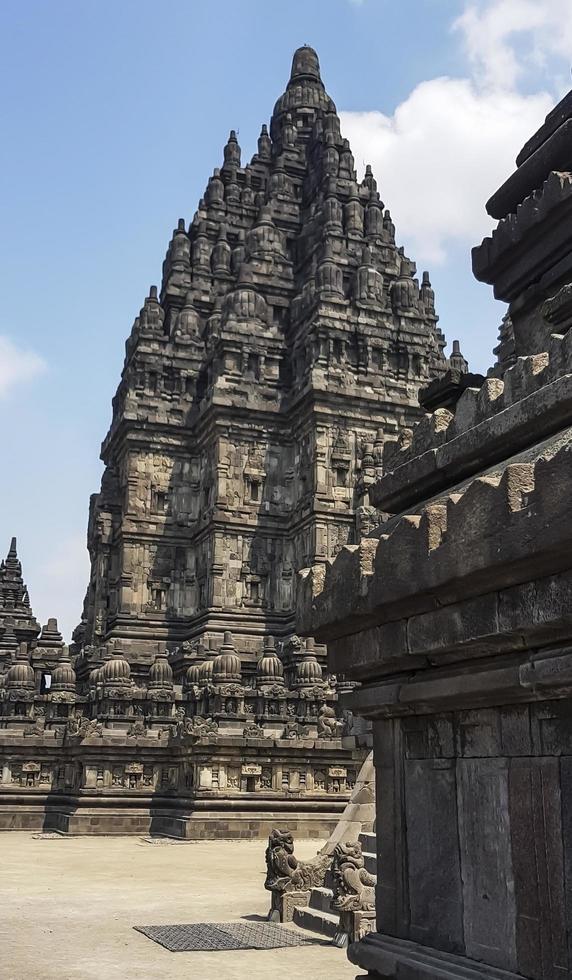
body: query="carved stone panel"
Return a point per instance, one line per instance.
(435, 889)
(489, 912)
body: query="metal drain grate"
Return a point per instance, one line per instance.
(213, 936)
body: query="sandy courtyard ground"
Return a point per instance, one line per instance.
(68, 907)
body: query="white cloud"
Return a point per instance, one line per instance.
(453, 141)
(17, 365)
(441, 155)
(505, 38)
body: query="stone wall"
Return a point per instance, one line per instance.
(455, 616)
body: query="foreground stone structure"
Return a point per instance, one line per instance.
(287, 342)
(455, 615)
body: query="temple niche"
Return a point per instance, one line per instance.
(263, 380)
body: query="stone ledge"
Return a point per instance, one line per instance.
(398, 959)
(533, 401)
(554, 152)
(531, 615)
(499, 530)
(499, 249)
(514, 680)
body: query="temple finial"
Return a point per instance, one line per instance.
(232, 151)
(457, 360)
(305, 64)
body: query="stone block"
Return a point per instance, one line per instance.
(538, 863)
(433, 856)
(370, 650)
(472, 623)
(489, 912)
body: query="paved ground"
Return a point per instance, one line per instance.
(68, 907)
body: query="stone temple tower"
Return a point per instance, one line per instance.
(287, 342)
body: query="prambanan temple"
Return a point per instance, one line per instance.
(286, 346)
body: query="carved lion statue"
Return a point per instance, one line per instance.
(353, 884)
(328, 725)
(284, 873)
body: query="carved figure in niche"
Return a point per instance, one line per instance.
(253, 731)
(233, 779)
(367, 518)
(137, 729)
(37, 728)
(231, 706)
(284, 873)
(354, 886)
(266, 779)
(320, 780)
(291, 730)
(198, 726)
(79, 727)
(45, 775)
(328, 724)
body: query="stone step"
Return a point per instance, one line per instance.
(320, 898)
(368, 843)
(326, 923)
(370, 862)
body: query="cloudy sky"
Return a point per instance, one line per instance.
(113, 116)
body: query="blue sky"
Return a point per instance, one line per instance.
(114, 115)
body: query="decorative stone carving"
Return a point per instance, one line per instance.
(39, 725)
(197, 727)
(254, 731)
(354, 886)
(286, 875)
(293, 730)
(137, 729)
(328, 724)
(80, 728)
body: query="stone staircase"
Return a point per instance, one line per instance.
(318, 915)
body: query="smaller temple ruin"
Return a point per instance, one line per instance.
(215, 756)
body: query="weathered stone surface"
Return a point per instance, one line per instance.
(457, 623)
(553, 153)
(259, 386)
(435, 893)
(287, 342)
(535, 815)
